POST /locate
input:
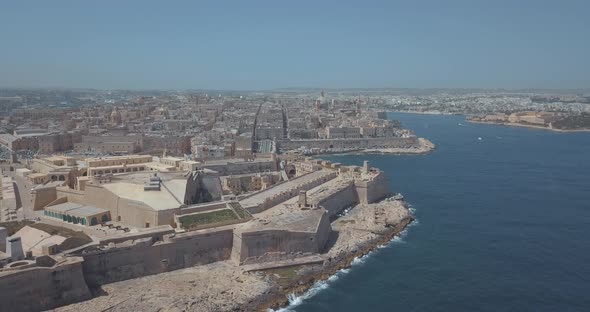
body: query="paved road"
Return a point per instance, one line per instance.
(22, 192)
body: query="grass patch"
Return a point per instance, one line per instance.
(240, 211)
(195, 220)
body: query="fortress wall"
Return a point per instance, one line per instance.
(242, 167)
(276, 199)
(74, 196)
(386, 142)
(373, 190)
(323, 233)
(339, 199)
(43, 288)
(258, 244)
(43, 196)
(165, 217)
(261, 245)
(142, 258)
(156, 235)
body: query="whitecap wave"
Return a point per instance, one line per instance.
(295, 300)
(318, 286)
(344, 212)
(358, 260)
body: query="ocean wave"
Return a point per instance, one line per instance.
(344, 212)
(318, 286)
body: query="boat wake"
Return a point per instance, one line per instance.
(317, 287)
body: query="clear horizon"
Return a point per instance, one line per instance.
(267, 45)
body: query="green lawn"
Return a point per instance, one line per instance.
(242, 213)
(195, 220)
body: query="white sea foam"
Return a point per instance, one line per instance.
(295, 300)
(358, 260)
(344, 212)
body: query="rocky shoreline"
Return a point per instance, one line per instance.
(425, 147)
(511, 124)
(277, 297)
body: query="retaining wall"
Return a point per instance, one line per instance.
(338, 199)
(43, 288)
(373, 190)
(144, 258)
(350, 143)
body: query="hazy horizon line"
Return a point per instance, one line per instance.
(291, 89)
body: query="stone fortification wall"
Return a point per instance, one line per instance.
(141, 257)
(43, 288)
(71, 194)
(372, 190)
(43, 196)
(275, 244)
(230, 168)
(157, 233)
(336, 199)
(277, 198)
(351, 143)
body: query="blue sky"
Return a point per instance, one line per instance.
(274, 44)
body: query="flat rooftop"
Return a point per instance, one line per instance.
(296, 220)
(158, 200)
(76, 209)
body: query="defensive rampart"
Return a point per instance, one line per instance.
(143, 257)
(372, 190)
(336, 198)
(360, 143)
(283, 191)
(43, 288)
(280, 241)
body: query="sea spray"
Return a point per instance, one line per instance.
(296, 300)
(318, 286)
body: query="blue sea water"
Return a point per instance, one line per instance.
(503, 225)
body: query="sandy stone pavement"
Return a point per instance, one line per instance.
(219, 286)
